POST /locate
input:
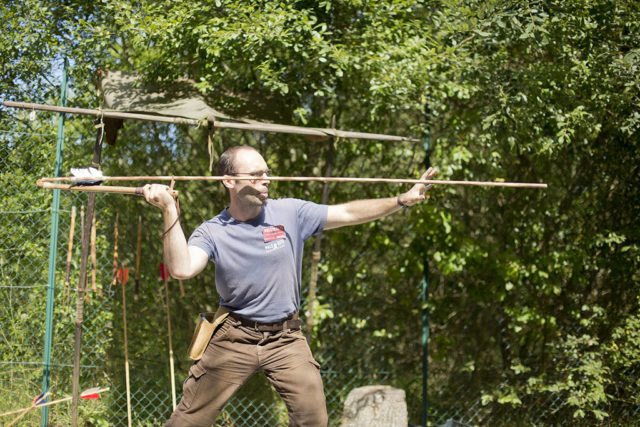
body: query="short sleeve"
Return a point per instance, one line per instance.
(202, 239)
(312, 218)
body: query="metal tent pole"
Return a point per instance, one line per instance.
(53, 246)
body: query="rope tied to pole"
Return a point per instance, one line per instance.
(173, 181)
(210, 134)
(99, 125)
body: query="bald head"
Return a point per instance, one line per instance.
(226, 160)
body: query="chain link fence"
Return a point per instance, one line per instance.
(25, 217)
(26, 153)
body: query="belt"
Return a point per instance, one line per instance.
(291, 323)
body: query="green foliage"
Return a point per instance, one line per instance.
(533, 295)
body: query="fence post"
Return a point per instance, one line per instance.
(53, 246)
(425, 296)
(425, 342)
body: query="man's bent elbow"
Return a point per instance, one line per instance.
(182, 274)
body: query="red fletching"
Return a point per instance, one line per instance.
(91, 393)
(123, 275)
(90, 396)
(164, 272)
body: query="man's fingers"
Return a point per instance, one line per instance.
(156, 194)
(430, 173)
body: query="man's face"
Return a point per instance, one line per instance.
(250, 192)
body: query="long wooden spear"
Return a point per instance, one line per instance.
(48, 182)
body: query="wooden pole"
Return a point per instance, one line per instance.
(114, 270)
(94, 258)
(45, 181)
(82, 216)
(165, 279)
(69, 256)
(316, 254)
(91, 202)
(320, 134)
(138, 252)
(123, 281)
(95, 188)
(126, 350)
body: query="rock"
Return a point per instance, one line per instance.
(375, 406)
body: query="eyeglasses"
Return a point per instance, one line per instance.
(257, 174)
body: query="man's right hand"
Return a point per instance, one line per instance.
(158, 195)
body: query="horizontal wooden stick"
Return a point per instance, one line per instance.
(302, 179)
(96, 188)
(318, 133)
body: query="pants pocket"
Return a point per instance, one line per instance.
(191, 384)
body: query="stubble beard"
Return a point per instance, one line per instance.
(253, 199)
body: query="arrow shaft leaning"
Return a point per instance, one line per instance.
(53, 402)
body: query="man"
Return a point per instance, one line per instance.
(257, 244)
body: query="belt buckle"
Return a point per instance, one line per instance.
(255, 326)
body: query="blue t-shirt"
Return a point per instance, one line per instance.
(259, 262)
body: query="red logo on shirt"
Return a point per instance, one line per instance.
(274, 232)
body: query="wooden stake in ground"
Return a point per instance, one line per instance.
(138, 251)
(316, 254)
(124, 278)
(122, 275)
(91, 201)
(69, 255)
(114, 271)
(94, 286)
(165, 274)
(82, 215)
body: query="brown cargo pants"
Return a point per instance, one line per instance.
(234, 354)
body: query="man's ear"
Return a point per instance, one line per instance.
(229, 183)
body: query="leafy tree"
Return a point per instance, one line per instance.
(533, 293)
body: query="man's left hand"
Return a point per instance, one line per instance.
(418, 192)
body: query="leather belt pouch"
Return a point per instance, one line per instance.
(207, 325)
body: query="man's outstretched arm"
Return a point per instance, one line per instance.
(361, 211)
(182, 260)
